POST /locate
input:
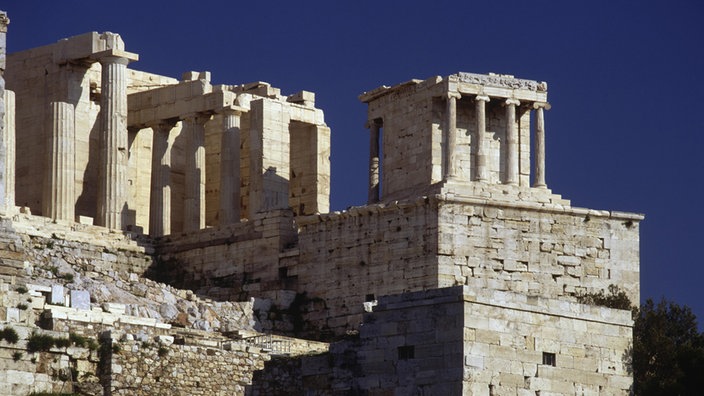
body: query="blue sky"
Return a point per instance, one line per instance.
(627, 121)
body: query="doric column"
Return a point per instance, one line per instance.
(539, 143)
(451, 122)
(512, 140)
(230, 168)
(194, 181)
(112, 171)
(160, 194)
(59, 183)
(5, 110)
(374, 126)
(482, 160)
(8, 140)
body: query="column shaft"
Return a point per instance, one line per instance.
(8, 141)
(194, 181)
(451, 122)
(7, 200)
(373, 126)
(59, 182)
(482, 160)
(230, 169)
(160, 194)
(539, 143)
(112, 172)
(512, 140)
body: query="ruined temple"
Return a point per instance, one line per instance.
(196, 217)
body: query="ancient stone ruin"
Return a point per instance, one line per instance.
(166, 236)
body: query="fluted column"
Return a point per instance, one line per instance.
(8, 140)
(482, 160)
(5, 110)
(194, 181)
(374, 126)
(230, 168)
(539, 144)
(59, 182)
(451, 122)
(512, 140)
(160, 194)
(112, 171)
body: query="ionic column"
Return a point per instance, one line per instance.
(373, 126)
(112, 171)
(539, 143)
(482, 160)
(59, 181)
(230, 168)
(451, 122)
(194, 181)
(512, 140)
(160, 194)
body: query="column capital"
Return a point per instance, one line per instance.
(450, 95)
(160, 125)
(114, 56)
(196, 117)
(483, 98)
(511, 101)
(375, 123)
(541, 105)
(4, 21)
(231, 110)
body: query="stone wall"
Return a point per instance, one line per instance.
(552, 253)
(323, 270)
(412, 343)
(484, 342)
(327, 267)
(509, 338)
(147, 369)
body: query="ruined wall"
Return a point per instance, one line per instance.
(183, 369)
(538, 252)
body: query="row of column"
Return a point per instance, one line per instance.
(59, 184)
(194, 181)
(512, 160)
(59, 190)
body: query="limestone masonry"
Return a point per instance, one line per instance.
(172, 236)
